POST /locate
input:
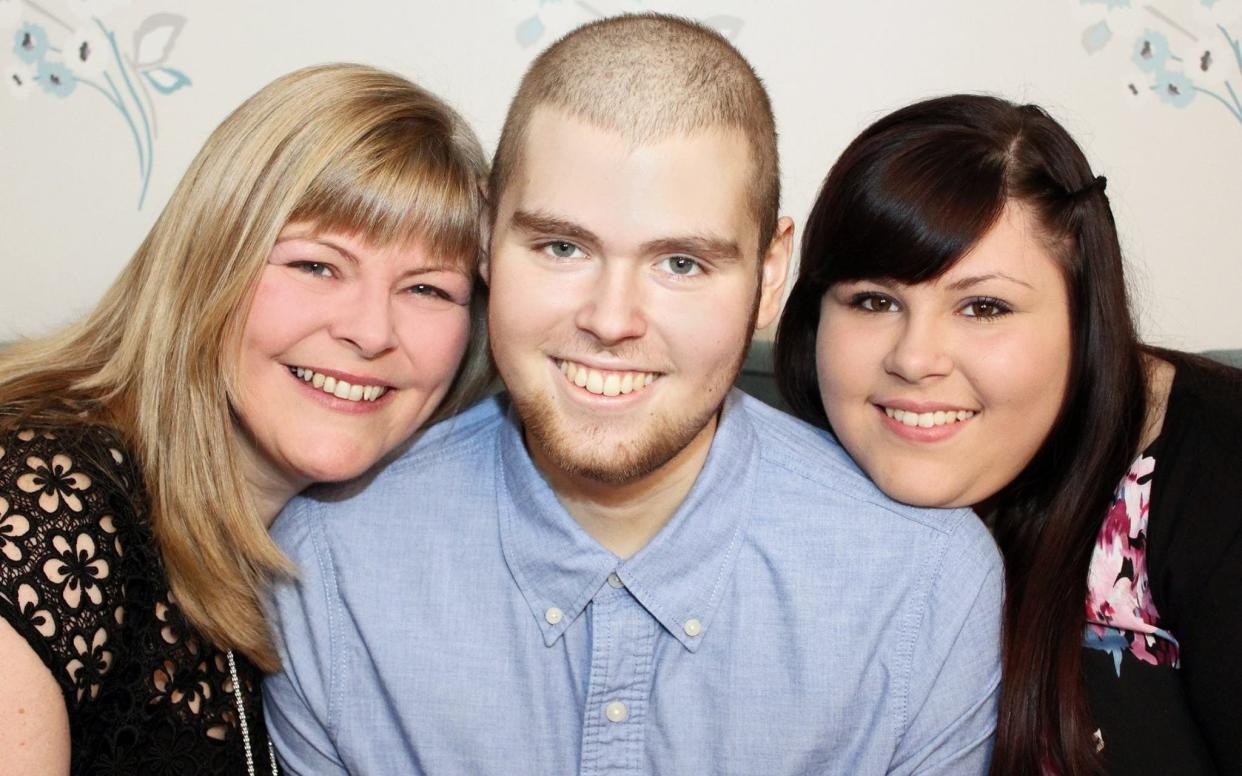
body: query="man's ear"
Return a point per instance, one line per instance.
(775, 270)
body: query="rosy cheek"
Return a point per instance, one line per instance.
(436, 343)
(278, 304)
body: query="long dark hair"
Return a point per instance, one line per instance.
(907, 199)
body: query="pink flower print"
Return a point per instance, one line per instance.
(1106, 564)
(12, 527)
(1121, 615)
(90, 664)
(54, 483)
(1136, 496)
(76, 569)
(28, 604)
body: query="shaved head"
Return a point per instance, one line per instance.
(649, 77)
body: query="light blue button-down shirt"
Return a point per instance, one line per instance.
(452, 618)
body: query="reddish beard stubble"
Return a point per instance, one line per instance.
(648, 449)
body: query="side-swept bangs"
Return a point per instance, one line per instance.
(903, 205)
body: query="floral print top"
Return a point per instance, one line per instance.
(82, 581)
(1121, 615)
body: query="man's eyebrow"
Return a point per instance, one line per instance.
(717, 249)
(713, 248)
(974, 280)
(537, 222)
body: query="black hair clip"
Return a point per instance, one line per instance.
(1099, 184)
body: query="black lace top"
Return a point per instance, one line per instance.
(81, 580)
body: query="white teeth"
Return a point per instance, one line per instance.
(928, 419)
(338, 388)
(602, 383)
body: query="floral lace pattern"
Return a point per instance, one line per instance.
(1121, 615)
(81, 580)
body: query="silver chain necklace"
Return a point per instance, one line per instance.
(245, 729)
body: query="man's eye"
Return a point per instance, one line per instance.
(985, 308)
(561, 249)
(314, 268)
(681, 265)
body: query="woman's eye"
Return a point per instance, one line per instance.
(874, 303)
(985, 308)
(683, 266)
(426, 289)
(561, 249)
(314, 268)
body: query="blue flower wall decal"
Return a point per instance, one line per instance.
(55, 78)
(30, 43)
(1176, 58)
(88, 55)
(1151, 52)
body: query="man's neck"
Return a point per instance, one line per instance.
(624, 518)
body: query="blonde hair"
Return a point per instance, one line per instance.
(346, 147)
(649, 76)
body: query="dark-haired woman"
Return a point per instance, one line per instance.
(961, 323)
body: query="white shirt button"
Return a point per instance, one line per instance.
(616, 712)
(553, 615)
(692, 627)
(615, 580)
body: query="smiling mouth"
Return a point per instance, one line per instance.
(602, 382)
(928, 419)
(338, 388)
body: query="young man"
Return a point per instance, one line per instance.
(621, 566)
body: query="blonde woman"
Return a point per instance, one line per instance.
(304, 303)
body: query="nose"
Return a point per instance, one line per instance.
(920, 351)
(612, 311)
(364, 321)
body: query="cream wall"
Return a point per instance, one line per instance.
(69, 173)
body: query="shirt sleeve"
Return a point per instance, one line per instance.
(299, 699)
(954, 685)
(1195, 559)
(1211, 640)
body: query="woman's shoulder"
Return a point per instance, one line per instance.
(65, 473)
(1205, 404)
(68, 495)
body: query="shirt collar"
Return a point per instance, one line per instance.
(680, 576)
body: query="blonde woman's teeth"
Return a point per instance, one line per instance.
(339, 388)
(605, 383)
(928, 419)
